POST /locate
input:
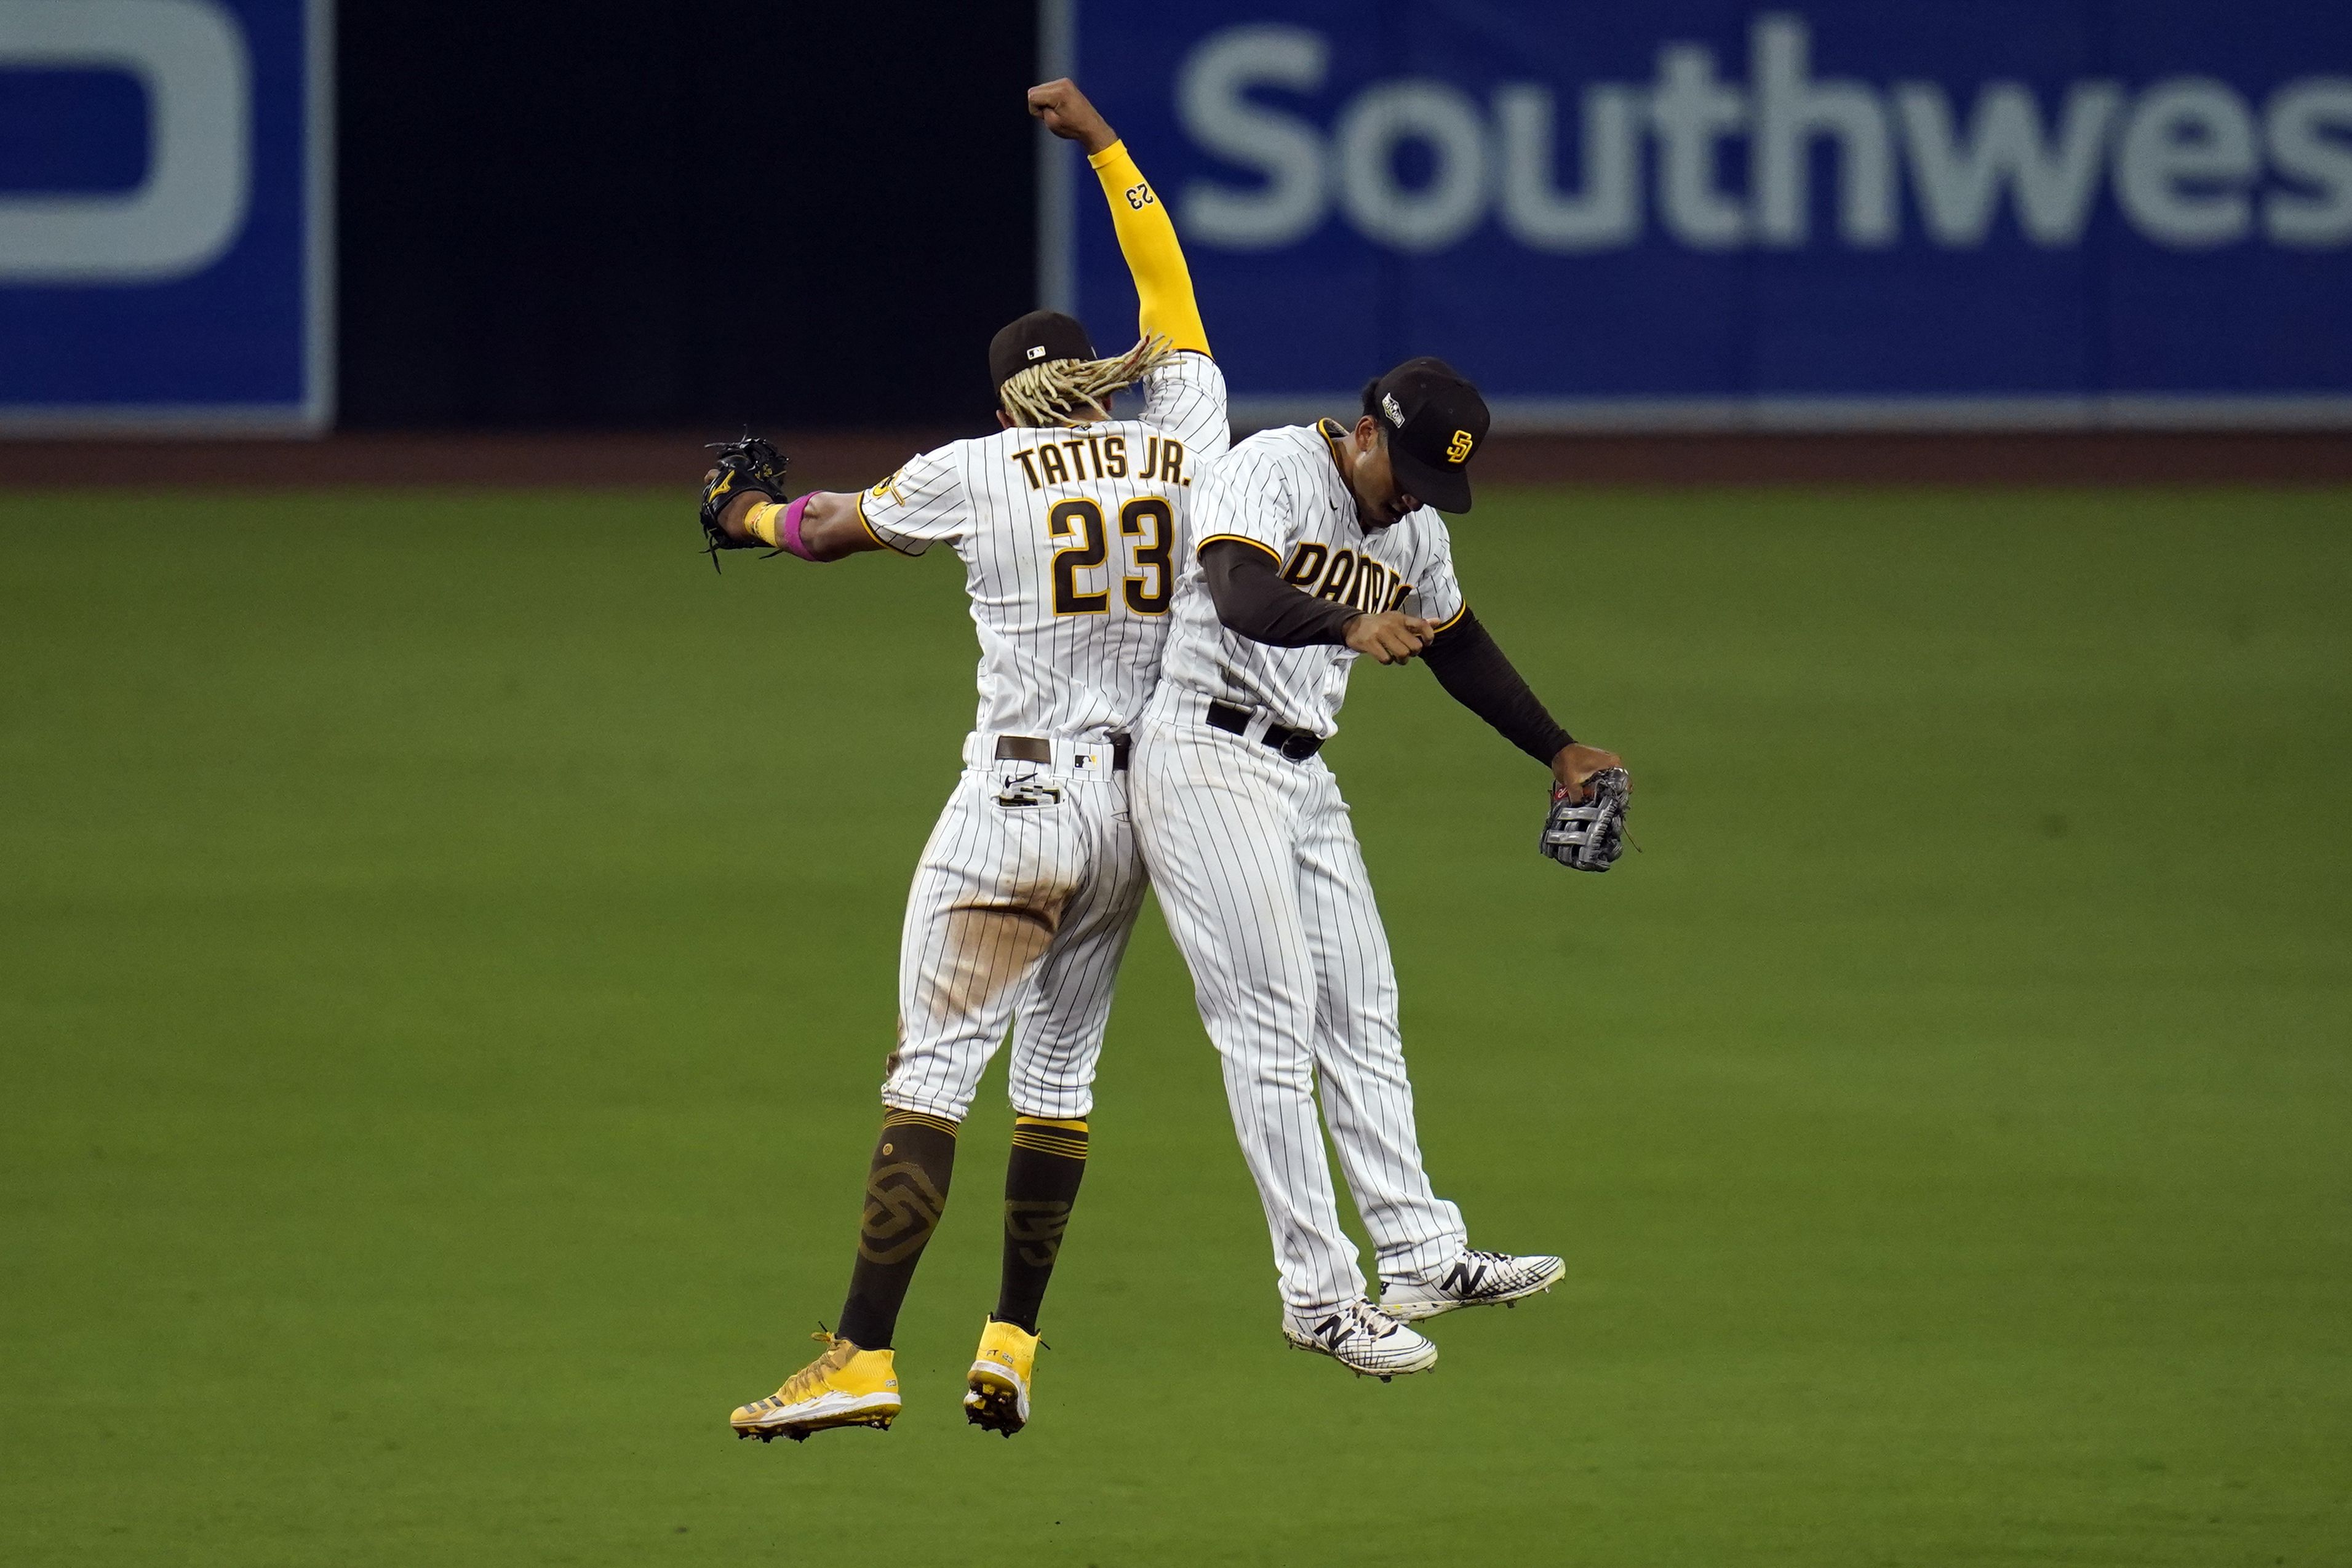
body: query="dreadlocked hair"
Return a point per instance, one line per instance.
(1065, 392)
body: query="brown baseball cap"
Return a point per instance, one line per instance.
(1034, 340)
(1435, 422)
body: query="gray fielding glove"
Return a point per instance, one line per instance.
(1589, 837)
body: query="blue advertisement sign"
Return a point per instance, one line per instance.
(166, 213)
(1833, 214)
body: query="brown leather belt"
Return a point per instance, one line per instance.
(1297, 745)
(1030, 748)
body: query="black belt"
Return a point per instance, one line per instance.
(1297, 745)
(1029, 748)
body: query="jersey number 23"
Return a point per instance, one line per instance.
(1147, 521)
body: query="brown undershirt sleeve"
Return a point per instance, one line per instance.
(1253, 601)
(1471, 667)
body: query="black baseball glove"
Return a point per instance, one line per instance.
(750, 465)
(1590, 836)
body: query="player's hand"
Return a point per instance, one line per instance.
(1392, 637)
(1576, 764)
(1068, 115)
(736, 518)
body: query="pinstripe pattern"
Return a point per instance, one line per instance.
(1281, 490)
(1017, 912)
(1028, 888)
(1042, 672)
(1264, 889)
(1267, 896)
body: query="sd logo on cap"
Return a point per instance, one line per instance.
(1437, 420)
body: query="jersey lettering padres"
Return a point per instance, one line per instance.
(1068, 537)
(1282, 491)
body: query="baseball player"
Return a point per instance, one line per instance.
(1311, 546)
(1068, 520)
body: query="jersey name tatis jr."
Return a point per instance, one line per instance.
(1044, 464)
(1068, 535)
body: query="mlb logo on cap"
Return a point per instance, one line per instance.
(1034, 340)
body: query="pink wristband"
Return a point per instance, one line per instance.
(789, 536)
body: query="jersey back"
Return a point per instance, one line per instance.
(1069, 539)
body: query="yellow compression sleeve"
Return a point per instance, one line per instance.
(1146, 238)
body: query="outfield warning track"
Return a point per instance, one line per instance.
(842, 460)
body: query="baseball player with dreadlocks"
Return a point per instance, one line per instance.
(1067, 521)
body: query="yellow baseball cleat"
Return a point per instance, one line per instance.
(846, 1386)
(997, 1397)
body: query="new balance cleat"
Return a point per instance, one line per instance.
(1473, 1279)
(996, 1397)
(1361, 1338)
(846, 1386)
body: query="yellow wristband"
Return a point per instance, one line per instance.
(761, 523)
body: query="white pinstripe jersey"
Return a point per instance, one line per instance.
(1281, 490)
(1068, 539)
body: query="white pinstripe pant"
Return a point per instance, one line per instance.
(1019, 914)
(1267, 896)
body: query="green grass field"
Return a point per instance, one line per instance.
(449, 948)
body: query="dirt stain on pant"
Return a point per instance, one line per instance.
(988, 947)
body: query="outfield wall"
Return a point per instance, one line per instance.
(250, 216)
(1823, 215)
(850, 460)
(237, 214)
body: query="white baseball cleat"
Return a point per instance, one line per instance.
(1473, 1279)
(1361, 1338)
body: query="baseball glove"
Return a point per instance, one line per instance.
(1590, 836)
(750, 464)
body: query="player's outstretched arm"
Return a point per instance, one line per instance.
(828, 525)
(1147, 237)
(1469, 663)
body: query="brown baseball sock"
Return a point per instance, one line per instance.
(906, 1191)
(1041, 1183)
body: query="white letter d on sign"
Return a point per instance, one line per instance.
(189, 58)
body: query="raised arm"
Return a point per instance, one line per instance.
(1147, 237)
